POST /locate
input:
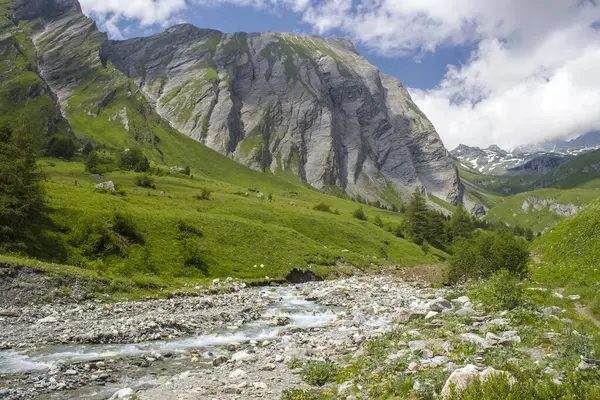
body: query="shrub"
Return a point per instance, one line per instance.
(318, 373)
(489, 252)
(96, 163)
(303, 394)
(322, 207)
(124, 225)
(133, 160)
(193, 255)
(204, 194)
(378, 221)
(398, 231)
(502, 291)
(144, 180)
(187, 170)
(359, 213)
(184, 227)
(95, 238)
(61, 147)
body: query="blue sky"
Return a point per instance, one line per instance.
(504, 72)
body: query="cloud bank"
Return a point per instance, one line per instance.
(532, 76)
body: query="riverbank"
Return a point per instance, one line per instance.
(357, 338)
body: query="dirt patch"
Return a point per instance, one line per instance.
(435, 274)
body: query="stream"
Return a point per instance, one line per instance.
(168, 357)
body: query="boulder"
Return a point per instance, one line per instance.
(123, 394)
(108, 185)
(461, 378)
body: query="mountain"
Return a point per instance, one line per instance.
(581, 144)
(304, 105)
(490, 161)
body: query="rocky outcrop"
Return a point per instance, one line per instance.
(302, 104)
(533, 203)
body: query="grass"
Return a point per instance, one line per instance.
(570, 254)
(510, 211)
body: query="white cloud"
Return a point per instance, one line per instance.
(533, 75)
(147, 12)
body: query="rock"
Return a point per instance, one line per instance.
(260, 385)
(293, 203)
(345, 251)
(461, 300)
(6, 313)
(109, 185)
(48, 320)
(574, 297)
(492, 339)
(238, 374)
(416, 314)
(461, 378)
(218, 361)
(440, 305)
(124, 394)
(71, 372)
(464, 312)
(243, 356)
(475, 339)
(416, 346)
(431, 314)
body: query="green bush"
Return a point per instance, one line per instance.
(94, 238)
(124, 225)
(359, 213)
(204, 194)
(144, 180)
(133, 160)
(318, 373)
(304, 394)
(378, 221)
(398, 231)
(502, 291)
(489, 252)
(322, 207)
(61, 147)
(97, 163)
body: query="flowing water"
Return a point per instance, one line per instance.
(301, 313)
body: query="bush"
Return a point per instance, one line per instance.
(398, 231)
(319, 373)
(61, 147)
(378, 221)
(502, 291)
(185, 228)
(204, 194)
(96, 163)
(124, 225)
(303, 394)
(94, 238)
(322, 207)
(487, 253)
(187, 170)
(144, 180)
(359, 213)
(133, 160)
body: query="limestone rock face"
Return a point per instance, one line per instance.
(306, 105)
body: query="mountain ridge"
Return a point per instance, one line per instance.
(304, 105)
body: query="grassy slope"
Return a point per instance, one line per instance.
(570, 256)
(510, 210)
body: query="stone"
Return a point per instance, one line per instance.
(474, 339)
(123, 394)
(464, 312)
(440, 305)
(492, 338)
(243, 356)
(431, 314)
(260, 385)
(461, 300)
(574, 297)
(48, 320)
(461, 378)
(109, 186)
(238, 374)
(293, 203)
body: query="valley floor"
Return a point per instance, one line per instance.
(362, 337)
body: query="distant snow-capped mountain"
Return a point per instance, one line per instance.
(534, 158)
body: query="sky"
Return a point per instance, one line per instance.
(506, 72)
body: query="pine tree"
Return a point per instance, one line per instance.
(21, 195)
(417, 218)
(461, 224)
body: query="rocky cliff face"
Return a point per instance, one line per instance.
(301, 104)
